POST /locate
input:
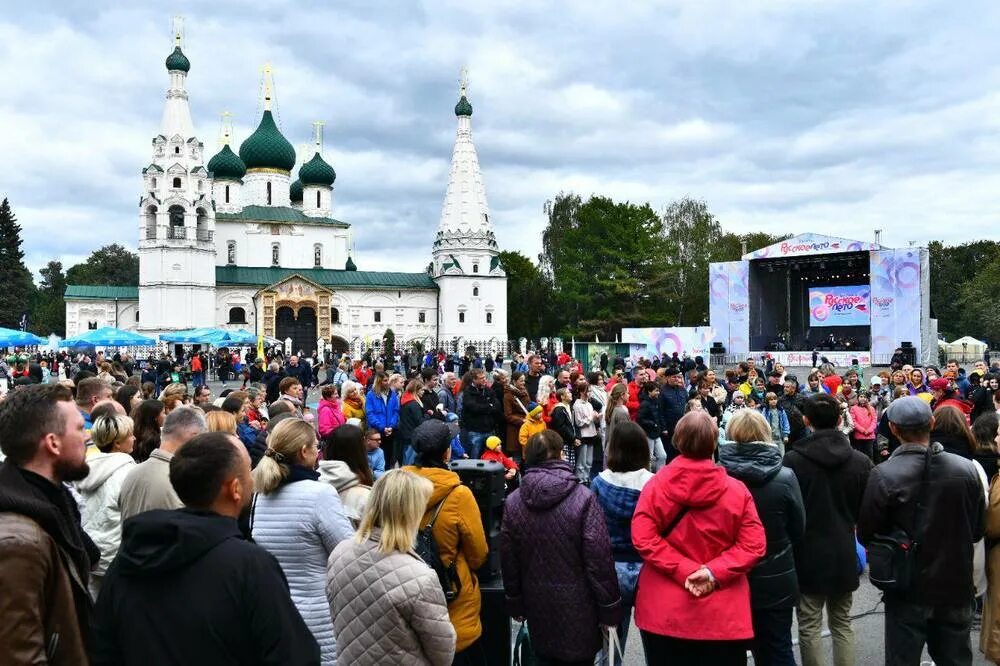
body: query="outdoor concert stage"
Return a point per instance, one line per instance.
(845, 299)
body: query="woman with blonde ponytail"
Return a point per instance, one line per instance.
(299, 520)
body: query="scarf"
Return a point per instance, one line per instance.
(355, 402)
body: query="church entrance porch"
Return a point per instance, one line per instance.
(296, 308)
(299, 326)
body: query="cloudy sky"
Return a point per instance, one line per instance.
(784, 115)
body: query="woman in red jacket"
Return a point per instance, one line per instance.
(698, 533)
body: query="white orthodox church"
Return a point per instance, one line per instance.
(241, 242)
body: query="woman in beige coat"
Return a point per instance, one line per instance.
(387, 604)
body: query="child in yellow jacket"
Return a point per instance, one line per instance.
(533, 424)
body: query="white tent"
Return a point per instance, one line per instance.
(965, 348)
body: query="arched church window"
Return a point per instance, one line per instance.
(231, 253)
(475, 268)
(318, 255)
(489, 317)
(227, 194)
(137, 316)
(334, 316)
(237, 316)
(275, 254)
(475, 291)
(177, 150)
(177, 183)
(461, 317)
(176, 214)
(318, 200)
(154, 183)
(268, 193)
(151, 223)
(422, 317)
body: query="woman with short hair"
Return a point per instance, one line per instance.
(101, 489)
(558, 573)
(751, 456)
(299, 520)
(699, 535)
(387, 604)
(352, 402)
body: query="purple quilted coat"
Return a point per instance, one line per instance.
(557, 566)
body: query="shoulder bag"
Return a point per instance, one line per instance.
(892, 558)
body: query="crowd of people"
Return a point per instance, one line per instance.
(145, 519)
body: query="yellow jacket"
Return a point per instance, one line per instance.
(460, 539)
(529, 428)
(352, 413)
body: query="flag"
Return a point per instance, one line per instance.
(260, 346)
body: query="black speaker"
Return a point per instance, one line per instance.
(485, 480)
(905, 344)
(497, 628)
(718, 348)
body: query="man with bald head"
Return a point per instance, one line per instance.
(244, 613)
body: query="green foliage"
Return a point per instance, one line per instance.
(389, 339)
(49, 310)
(963, 289)
(529, 297)
(112, 265)
(18, 289)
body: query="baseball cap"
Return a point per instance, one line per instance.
(876, 381)
(909, 412)
(939, 384)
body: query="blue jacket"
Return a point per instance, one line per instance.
(382, 412)
(246, 434)
(782, 419)
(672, 403)
(376, 460)
(617, 494)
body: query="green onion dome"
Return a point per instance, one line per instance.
(295, 191)
(463, 108)
(349, 266)
(178, 61)
(266, 148)
(317, 172)
(227, 165)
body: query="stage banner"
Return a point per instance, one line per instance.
(739, 307)
(839, 306)
(810, 244)
(650, 342)
(895, 299)
(718, 301)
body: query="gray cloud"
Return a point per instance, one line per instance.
(786, 117)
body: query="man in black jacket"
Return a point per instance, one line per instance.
(832, 476)
(478, 412)
(673, 400)
(187, 588)
(938, 607)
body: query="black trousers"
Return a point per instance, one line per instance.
(667, 651)
(772, 637)
(474, 655)
(944, 629)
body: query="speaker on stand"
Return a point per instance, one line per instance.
(486, 481)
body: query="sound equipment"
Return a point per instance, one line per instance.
(485, 480)
(718, 348)
(497, 631)
(909, 353)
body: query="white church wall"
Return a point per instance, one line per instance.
(296, 244)
(480, 301)
(83, 315)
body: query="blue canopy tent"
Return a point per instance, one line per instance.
(10, 337)
(243, 337)
(217, 337)
(109, 337)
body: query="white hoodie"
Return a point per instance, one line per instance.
(101, 490)
(353, 495)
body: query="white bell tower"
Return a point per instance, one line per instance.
(176, 217)
(466, 267)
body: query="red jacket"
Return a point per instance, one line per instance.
(498, 456)
(633, 400)
(721, 530)
(963, 406)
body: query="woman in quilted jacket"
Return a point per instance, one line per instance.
(558, 573)
(698, 533)
(458, 532)
(387, 604)
(300, 520)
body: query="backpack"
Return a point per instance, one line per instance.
(427, 548)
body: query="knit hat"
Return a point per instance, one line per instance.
(940, 384)
(534, 409)
(493, 442)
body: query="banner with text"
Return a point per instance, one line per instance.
(839, 306)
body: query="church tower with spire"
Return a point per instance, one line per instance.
(176, 218)
(466, 259)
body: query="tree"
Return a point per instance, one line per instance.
(112, 265)
(49, 311)
(691, 231)
(17, 286)
(529, 297)
(389, 341)
(954, 271)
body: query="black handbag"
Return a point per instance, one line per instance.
(892, 558)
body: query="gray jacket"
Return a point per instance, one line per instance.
(387, 609)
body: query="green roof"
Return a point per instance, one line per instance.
(350, 265)
(227, 165)
(283, 214)
(267, 148)
(317, 172)
(177, 60)
(463, 108)
(101, 292)
(264, 276)
(295, 191)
